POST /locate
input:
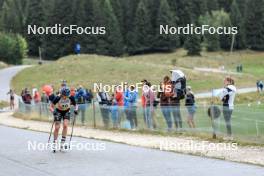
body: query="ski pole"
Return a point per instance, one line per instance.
(51, 131)
(73, 123)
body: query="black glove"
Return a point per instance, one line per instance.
(54, 113)
(75, 112)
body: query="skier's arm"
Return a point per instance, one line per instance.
(73, 102)
(53, 103)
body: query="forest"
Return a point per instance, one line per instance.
(132, 25)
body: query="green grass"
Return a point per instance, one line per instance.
(34, 61)
(247, 122)
(3, 65)
(90, 69)
(3, 104)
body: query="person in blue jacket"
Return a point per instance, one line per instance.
(80, 97)
(132, 107)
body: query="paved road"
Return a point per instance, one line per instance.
(116, 160)
(239, 91)
(6, 76)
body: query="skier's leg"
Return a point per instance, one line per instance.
(56, 130)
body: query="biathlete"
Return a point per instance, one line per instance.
(60, 107)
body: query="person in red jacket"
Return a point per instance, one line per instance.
(120, 102)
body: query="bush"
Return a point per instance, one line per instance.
(13, 48)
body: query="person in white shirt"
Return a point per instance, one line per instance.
(228, 97)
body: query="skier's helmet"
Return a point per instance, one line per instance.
(65, 91)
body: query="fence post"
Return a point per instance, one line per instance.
(94, 120)
(257, 127)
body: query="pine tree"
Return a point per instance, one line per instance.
(91, 17)
(1, 4)
(118, 11)
(225, 5)
(35, 17)
(211, 40)
(56, 46)
(255, 24)
(193, 45)
(164, 17)
(198, 8)
(212, 5)
(112, 42)
(238, 21)
(143, 29)
(222, 19)
(10, 21)
(129, 12)
(182, 15)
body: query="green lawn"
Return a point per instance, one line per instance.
(247, 121)
(90, 69)
(3, 65)
(3, 104)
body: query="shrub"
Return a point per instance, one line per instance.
(13, 48)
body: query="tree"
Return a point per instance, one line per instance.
(182, 14)
(35, 17)
(13, 48)
(212, 5)
(164, 42)
(10, 21)
(56, 46)
(193, 45)
(238, 21)
(112, 42)
(130, 7)
(211, 40)
(225, 5)
(143, 29)
(92, 16)
(255, 24)
(198, 8)
(1, 4)
(222, 19)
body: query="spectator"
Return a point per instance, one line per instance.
(114, 112)
(11, 94)
(132, 107)
(143, 102)
(44, 102)
(120, 102)
(126, 100)
(77, 48)
(104, 102)
(149, 98)
(165, 98)
(80, 97)
(257, 84)
(191, 108)
(179, 82)
(36, 97)
(228, 98)
(260, 86)
(89, 96)
(27, 99)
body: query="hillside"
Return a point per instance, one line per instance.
(90, 69)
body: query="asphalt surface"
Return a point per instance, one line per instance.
(6, 76)
(112, 159)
